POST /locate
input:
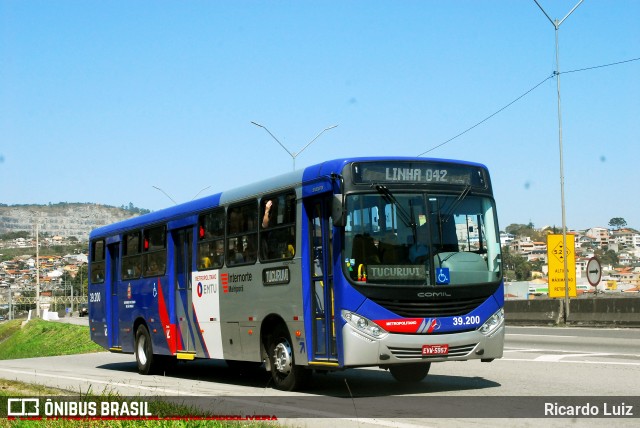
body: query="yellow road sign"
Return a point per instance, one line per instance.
(555, 256)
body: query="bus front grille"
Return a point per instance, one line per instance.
(454, 352)
(431, 309)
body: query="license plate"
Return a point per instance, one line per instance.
(435, 349)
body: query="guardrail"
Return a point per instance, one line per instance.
(20, 300)
(598, 311)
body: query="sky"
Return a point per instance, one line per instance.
(102, 101)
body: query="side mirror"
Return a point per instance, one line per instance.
(338, 212)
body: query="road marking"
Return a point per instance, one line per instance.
(523, 327)
(535, 360)
(540, 335)
(555, 358)
(103, 382)
(523, 350)
(564, 351)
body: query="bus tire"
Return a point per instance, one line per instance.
(144, 351)
(410, 373)
(286, 375)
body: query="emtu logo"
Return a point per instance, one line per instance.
(225, 282)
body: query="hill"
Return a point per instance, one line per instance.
(62, 219)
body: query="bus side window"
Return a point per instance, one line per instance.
(155, 251)
(278, 227)
(242, 234)
(131, 257)
(211, 240)
(97, 261)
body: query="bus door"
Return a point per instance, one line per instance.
(183, 253)
(113, 305)
(322, 296)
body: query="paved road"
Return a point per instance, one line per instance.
(538, 362)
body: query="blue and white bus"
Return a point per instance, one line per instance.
(388, 262)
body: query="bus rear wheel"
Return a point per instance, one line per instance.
(144, 351)
(410, 372)
(286, 375)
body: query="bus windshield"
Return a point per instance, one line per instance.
(418, 239)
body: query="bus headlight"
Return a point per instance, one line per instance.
(495, 321)
(364, 325)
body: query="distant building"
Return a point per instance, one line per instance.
(600, 235)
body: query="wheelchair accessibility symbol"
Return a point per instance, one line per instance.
(442, 276)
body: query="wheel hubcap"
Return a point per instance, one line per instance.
(282, 357)
(142, 356)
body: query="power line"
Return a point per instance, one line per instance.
(600, 66)
(522, 96)
(487, 118)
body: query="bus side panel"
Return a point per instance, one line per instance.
(206, 310)
(157, 306)
(146, 301)
(246, 300)
(98, 295)
(99, 305)
(249, 295)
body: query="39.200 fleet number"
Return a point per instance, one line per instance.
(468, 320)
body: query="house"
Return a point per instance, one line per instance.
(506, 239)
(600, 235)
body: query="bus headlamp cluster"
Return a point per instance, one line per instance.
(495, 321)
(363, 325)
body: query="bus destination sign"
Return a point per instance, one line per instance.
(418, 172)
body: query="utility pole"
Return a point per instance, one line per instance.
(556, 25)
(37, 270)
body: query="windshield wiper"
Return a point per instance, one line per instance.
(407, 218)
(457, 202)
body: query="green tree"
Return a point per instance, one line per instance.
(15, 235)
(526, 230)
(617, 223)
(515, 266)
(607, 257)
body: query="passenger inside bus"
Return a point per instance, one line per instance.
(266, 218)
(219, 256)
(365, 250)
(234, 252)
(250, 252)
(276, 240)
(205, 263)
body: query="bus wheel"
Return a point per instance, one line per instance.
(144, 351)
(410, 372)
(286, 375)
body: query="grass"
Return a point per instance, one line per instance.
(39, 338)
(44, 339)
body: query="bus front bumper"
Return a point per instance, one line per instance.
(361, 350)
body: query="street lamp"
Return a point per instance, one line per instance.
(172, 200)
(556, 25)
(293, 154)
(166, 194)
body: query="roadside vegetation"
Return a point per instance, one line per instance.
(43, 339)
(39, 338)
